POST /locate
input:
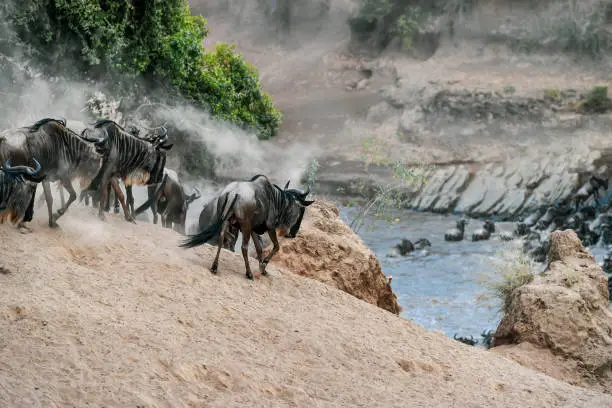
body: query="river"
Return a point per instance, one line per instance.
(446, 289)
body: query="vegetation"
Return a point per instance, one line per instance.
(513, 269)
(596, 101)
(380, 199)
(567, 25)
(137, 47)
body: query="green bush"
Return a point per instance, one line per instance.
(596, 101)
(153, 43)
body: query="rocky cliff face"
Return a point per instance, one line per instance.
(327, 250)
(561, 323)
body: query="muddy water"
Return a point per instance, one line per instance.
(445, 288)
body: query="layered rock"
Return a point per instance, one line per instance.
(561, 323)
(327, 250)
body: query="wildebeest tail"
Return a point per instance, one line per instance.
(153, 196)
(213, 230)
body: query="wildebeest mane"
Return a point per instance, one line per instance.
(38, 124)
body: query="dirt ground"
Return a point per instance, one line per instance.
(117, 315)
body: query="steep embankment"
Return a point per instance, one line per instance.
(498, 121)
(326, 249)
(115, 314)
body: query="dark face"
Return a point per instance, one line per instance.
(296, 226)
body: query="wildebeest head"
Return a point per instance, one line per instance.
(296, 209)
(17, 189)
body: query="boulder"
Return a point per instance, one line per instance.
(562, 318)
(327, 250)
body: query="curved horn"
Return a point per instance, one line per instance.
(38, 167)
(197, 193)
(287, 185)
(21, 169)
(305, 193)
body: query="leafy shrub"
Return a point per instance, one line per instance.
(146, 44)
(596, 101)
(514, 269)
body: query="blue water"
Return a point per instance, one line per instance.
(443, 290)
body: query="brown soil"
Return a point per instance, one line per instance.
(116, 314)
(326, 249)
(561, 323)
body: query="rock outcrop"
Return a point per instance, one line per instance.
(327, 250)
(561, 323)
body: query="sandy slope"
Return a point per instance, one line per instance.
(118, 316)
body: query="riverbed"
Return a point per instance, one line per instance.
(447, 287)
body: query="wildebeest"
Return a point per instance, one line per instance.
(404, 247)
(422, 243)
(128, 157)
(485, 232)
(255, 206)
(456, 234)
(17, 187)
(591, 187)
(465, 340)
(171, 202)
(63, 156)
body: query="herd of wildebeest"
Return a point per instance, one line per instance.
(584, 212)
(106, 153)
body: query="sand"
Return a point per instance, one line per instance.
(116, 315)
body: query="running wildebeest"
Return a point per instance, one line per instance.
(100, 128)
(125, 156)
(255, 206)
(171, 202)
(63, 156)
(17, 186)
(591, 187)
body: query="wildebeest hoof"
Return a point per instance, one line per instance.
(213, 269)
(250, 277)
(116, 210)
(53, 224)
(61, 212)
(24, 230)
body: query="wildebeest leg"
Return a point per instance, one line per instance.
(215, 264)
(258, 249)
(105, 200)
(150, 193)
(246, 236)
(28, 215)
(130, 199)
(71, 198)
(116, 205)
(49, 198)
(62, 196)
(119, 195)
(264, 263)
